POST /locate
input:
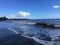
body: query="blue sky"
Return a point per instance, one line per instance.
(38, 9)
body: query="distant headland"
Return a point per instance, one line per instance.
(5, 18)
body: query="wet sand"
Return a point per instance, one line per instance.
(10, 38)
(17, 40)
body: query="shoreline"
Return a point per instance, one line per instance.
(17, 40)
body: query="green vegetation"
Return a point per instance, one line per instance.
(3, 18)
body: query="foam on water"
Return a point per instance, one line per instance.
(28, 32)
(13, 30)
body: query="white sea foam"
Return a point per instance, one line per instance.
(41, 41)
(35, 39)
(26, 23)
(11, 29)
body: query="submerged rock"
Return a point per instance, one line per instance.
(45, 25)
(51, 26)
(42, 24)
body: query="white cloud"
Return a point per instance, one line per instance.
(21, 13)
(56, 6)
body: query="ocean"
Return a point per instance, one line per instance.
(27, 29)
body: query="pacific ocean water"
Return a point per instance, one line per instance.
(10, 27)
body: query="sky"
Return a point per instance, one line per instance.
(33, 9)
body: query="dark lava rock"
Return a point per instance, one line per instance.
(46, 25)
(51, 26)
(42, 24)
(17, 40)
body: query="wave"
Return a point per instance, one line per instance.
(24, 22)
(45, 25)
(11, 29)
(40, 41)
(32, 37)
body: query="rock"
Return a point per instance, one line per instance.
(44, 25)
(41, 24)
(51, 26)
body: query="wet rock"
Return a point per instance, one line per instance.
(51, 26)
(46, 25)
(42, 24)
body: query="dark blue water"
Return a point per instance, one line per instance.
(51, 21)
(29, 29)
(10, 27)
